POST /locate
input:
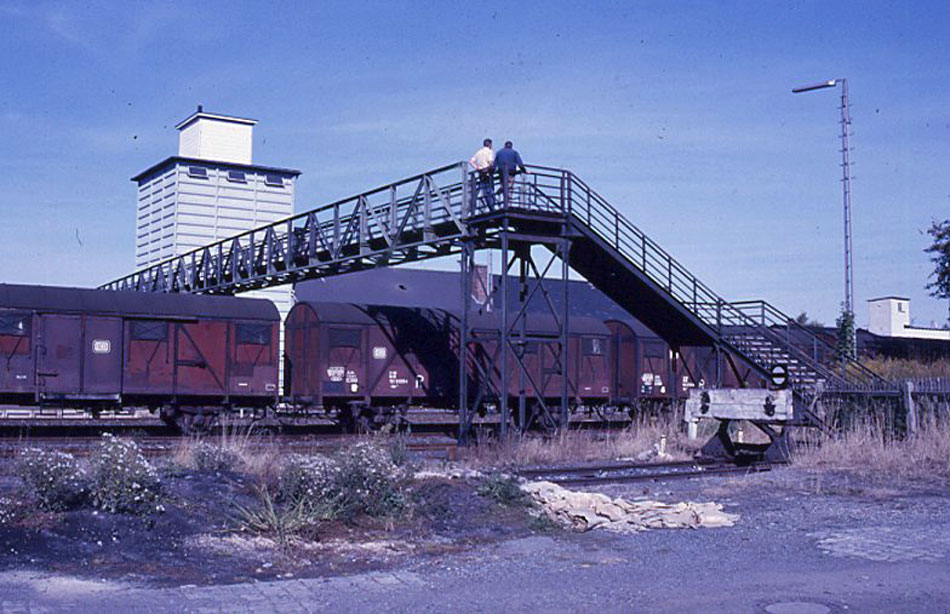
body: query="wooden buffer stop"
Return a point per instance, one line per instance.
(771, 411)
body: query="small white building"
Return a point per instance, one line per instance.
(210, 191)
(889, 316)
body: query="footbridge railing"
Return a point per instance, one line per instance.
(756, 329)
(412, 219)
(429, 215)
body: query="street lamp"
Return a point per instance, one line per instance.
(845, 179)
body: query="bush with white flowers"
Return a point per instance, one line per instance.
(7, 510)
(369, 481)
(360, 479)
(210, 457)
(122, 479)
(54, 478)
(308, 479)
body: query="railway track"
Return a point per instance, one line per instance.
(427, 446)
(608, 473)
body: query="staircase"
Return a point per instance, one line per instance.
(755, 330)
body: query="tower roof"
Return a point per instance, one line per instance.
(202, 114)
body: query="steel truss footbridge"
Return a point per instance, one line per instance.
(450, 211)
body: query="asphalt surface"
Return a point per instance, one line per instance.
(799, 546)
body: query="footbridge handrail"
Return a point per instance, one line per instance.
(730, 320)
(429, 214)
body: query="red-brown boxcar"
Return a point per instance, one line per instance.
(640, 364)
(97, 348)
(340, 354)
(588, 359)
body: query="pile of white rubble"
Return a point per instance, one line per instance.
(583, 511)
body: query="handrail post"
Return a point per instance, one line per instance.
(289, 254)
(563, 192)
(252, 256)
(570, 192)
(363, 212)
(587, 197)
(393, 214)
(427, 233)
(466, 197)
(336, 231)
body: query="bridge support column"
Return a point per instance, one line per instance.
(520, 365)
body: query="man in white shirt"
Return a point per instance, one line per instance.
(483, 162)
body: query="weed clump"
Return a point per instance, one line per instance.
(269, 518)
(505, 490)
(399, 451)
(122, 479)
(54, 478)
(361, 479)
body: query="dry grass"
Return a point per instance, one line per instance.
(897, 369)
(641, 438)
(235, 446)
(868, 450)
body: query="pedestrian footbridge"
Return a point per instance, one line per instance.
(438, 213)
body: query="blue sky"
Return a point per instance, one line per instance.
(679, 113)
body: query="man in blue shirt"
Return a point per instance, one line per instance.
(508, 163)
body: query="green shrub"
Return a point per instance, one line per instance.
(122, 479)
(505, 490)
(53, 478)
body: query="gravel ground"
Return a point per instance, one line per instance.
(803, 544)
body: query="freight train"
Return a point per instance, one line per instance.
(191, 357)
(186, 357)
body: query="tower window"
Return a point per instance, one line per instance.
(237, 177)
(274, 180)
(198, 172)
(900, 307)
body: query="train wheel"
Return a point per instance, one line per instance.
(189, 422)
(167, 414)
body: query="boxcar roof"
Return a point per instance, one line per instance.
(544, 323)
(337, 313)
(441, 290)
(146, 304)
(348, 313)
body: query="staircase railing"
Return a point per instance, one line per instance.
(798, 335)
(585, 205)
